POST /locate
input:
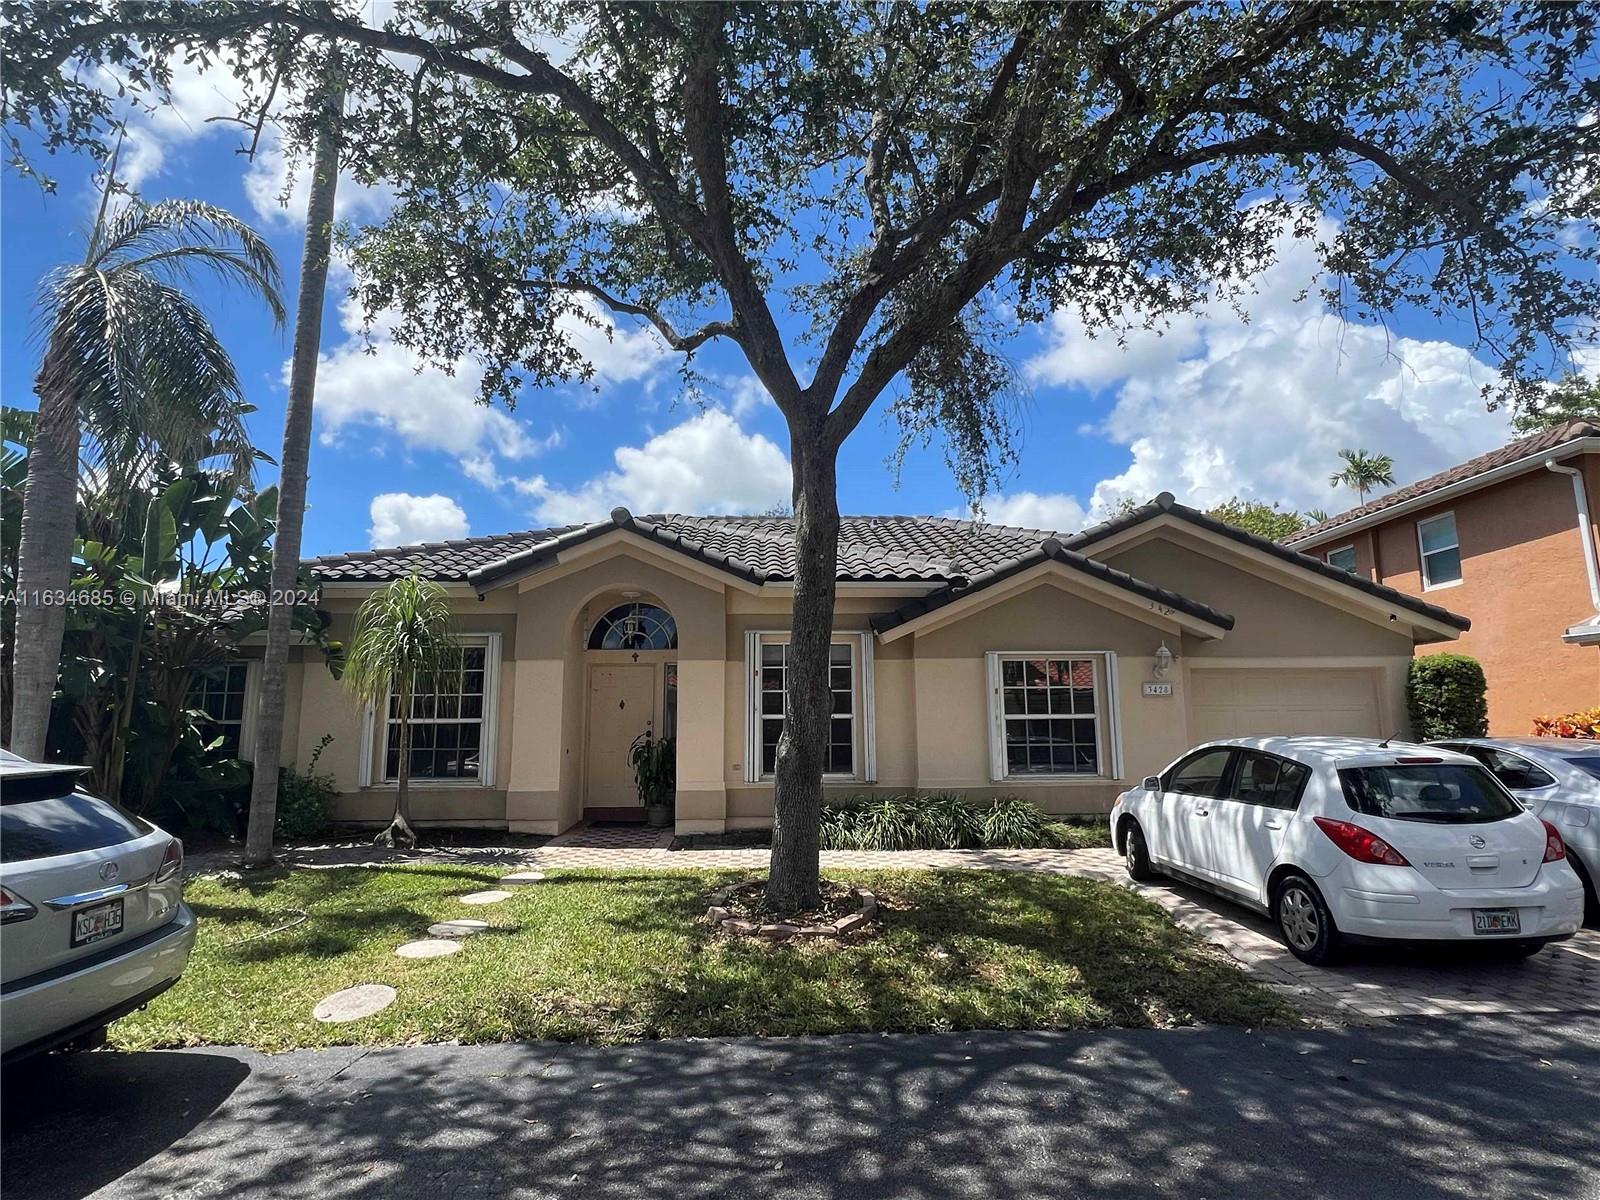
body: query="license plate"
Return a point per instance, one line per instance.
(100, 921)
(1496, 920)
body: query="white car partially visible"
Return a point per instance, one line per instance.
(1343, 839)
(1557, 779)
(92, 920)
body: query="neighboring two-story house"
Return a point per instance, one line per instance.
(1507, 539)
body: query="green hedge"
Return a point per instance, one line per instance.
(945, 821)
(1445, 696)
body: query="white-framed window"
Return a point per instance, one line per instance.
(226, 693)
(453, 724)
(1344, 557)
(1052, 715)
(851, 753)
(1440, 550)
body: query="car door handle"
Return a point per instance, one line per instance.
(1273, 824)
(1202, 812)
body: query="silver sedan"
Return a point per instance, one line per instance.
(1559, 779)
(92, 919)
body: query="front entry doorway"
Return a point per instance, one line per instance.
(622, 705)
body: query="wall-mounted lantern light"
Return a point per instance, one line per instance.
(1163, 661)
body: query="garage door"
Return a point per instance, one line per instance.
(1236, 702)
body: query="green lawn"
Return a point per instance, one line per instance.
(618, 956)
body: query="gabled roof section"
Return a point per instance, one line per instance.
(1050, 550)
(892, 549)
(1166, 505)
(542, 553)
(1532, 447)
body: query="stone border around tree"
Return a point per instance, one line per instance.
(721, 918)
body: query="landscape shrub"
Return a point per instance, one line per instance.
(1446, 697)
(1584, 724)
(940, 821)
(305, 798)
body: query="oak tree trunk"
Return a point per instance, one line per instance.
(808, 699)
(44, 556)
(292, 485)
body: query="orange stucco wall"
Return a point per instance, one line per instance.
(1522, 584)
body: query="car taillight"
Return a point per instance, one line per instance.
(1360, 844)
(1554, 848)
(171, 861)
(14, 908)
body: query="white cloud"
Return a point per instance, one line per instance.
(1035, 510)
(1218, 407)
(401, 519)
(707, 464)
(430, 409)
(619, 354)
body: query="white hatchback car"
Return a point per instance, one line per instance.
(1559, 780)
(1348, 838)
(92, 919)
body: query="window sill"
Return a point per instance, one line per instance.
(1441, 587)
(427, 785)
(1056, 779)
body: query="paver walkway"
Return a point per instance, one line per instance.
(1375, 985)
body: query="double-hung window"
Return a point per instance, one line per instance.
(1051, 715)
(221, 692)
(1441, 551)
(452, 722)
(849, 750)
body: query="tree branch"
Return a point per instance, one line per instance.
(685, 342)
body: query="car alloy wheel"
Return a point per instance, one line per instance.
(1297, 915)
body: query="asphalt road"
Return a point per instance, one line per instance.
(1463, 1107)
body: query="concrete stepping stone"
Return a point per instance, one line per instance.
(523, 877)
(428, 948)
(465, 927)
(354, 1003)
(492, 896)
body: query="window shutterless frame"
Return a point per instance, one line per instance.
(1439, 551)
(1105, 715)
(863, 705)
(1343, 557)
(488, 737)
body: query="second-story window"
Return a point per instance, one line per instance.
(1344, 558)
(1441, 551)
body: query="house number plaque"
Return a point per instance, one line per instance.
(1161, 688)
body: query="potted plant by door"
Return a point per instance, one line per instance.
(655, 762)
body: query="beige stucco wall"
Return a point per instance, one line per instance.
(930, 704)
(1272, 620)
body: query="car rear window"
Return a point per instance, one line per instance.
(1446, 793)
(1589, 764)
(45, 826)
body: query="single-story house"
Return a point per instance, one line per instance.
(967, 656)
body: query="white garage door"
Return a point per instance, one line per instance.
(1240, 702)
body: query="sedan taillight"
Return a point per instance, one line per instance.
(171, 861)
(1554, 848)
(1360, 844)
(14, 908)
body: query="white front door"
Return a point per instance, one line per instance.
(621, 707)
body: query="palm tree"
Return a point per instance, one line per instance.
(1363, 472)
(404, 633)
(316, 252)
(131, 365)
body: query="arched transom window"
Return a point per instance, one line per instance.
(635, 626)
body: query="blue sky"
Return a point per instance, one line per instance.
(1213, 408)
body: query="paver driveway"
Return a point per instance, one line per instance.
(1374, 985)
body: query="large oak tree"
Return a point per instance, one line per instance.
(917, 181)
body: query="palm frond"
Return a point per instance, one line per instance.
(402, 631)
(181, 234)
